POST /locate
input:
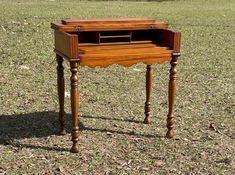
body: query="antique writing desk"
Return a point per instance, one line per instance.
(103, 42)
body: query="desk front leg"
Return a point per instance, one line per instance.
(74, 104)
(171, 97)
(60, 86)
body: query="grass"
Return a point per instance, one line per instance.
(113, 139)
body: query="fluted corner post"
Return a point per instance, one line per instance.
(171, 97)
(149, 75)
(60, 86)
(74, 104)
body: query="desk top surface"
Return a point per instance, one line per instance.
(73, 25)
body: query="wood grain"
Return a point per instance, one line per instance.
(149, 77)
(110, 27)
(74, 104)
(171, 98)
(60, 86)
(108, 21)
(169, 39)
(125, 57)
(66, 44)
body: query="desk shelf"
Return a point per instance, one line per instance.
(116, 37)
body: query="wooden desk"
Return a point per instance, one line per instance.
(103, 42)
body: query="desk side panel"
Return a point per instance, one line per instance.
(66, 44)
(169, 39)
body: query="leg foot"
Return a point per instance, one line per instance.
(170, 123)
(169, 134)
(146, 120)
(62, 132)
(62, 128)
(74, 148)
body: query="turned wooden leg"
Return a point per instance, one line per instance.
(171, 97)
(74, 104)
(148, 93)
(60, 86)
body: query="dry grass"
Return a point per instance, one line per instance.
(113, 139)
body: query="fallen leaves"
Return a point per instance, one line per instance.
(212, 127)
(3, 28)
(24, 67)
(225, 160)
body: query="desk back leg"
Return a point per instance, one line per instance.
(149, 75)
(171, 97)
(74, 104)
(60, 86)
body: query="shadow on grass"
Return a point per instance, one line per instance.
(43, 124)
(111, 119)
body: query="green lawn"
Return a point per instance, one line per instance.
(113, 139)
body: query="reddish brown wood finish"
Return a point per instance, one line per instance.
(108, 21)
(67, 44)
(74, 25)
(170, 39)
(124, 56)
(103, 42)
(60, 86)
(149, 78)
(171, 97)
(74, 104)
